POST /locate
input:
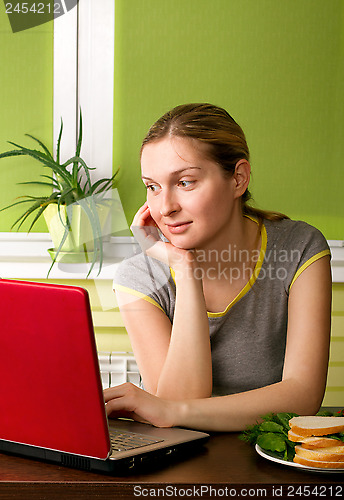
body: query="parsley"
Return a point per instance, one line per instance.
(272, 435)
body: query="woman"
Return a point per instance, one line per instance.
(228, 307)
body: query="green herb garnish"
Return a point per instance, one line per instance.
(272, 435)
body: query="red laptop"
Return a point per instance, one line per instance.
(51, 404)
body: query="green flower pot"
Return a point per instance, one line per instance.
(80, 236)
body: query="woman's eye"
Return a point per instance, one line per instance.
(185, 183)
(152, 187)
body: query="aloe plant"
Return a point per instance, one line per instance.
(69, 186)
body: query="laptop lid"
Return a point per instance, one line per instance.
(51, 397)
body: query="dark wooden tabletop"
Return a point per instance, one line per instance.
(224, 461)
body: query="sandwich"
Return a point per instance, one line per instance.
(320, 441)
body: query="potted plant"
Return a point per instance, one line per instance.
(76, 209)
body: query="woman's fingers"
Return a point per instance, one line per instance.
(118, 403)
(121, 398)
(131, 401)
(144, 228)
(143, 216)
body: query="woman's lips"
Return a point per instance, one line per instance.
(178, 228)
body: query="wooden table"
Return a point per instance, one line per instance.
(224, 462)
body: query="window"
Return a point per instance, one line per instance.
(83, 78)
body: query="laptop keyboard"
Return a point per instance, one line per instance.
(123, 441)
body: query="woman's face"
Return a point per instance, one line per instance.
(190, 198)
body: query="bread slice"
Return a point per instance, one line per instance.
(316, 425)
(318, 463)
(296, 438)
(313, 442)
(331, 454)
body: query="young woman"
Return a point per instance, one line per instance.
(227, 307)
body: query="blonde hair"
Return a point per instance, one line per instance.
(214, 127)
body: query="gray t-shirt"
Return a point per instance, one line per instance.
(248, 338)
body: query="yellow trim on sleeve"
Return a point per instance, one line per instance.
(252, 279)
(140, 295)
(310, 261)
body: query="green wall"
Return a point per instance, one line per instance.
(276, 66)
(26, 106)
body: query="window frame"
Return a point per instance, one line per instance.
(84, 38)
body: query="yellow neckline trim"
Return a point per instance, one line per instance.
(253, 277)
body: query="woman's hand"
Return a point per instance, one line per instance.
(146, 233)
(129, 401)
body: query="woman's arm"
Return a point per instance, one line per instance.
(187, 370)
(304, 376)
(174, 360)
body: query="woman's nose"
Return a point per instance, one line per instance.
(169, 204)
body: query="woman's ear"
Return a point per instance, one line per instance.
(241, 177)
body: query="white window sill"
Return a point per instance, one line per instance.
(26, 256)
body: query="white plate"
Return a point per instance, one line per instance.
(269, 455)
